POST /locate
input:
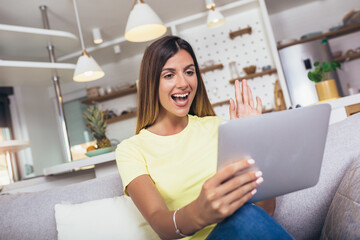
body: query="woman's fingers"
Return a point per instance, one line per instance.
(228, 172)
(238, 97)
(244, 104)
(245, 92)
(232, 109)
(258, 105)
(241, 183)
(251, 100)
(225, 204)
(237, 204)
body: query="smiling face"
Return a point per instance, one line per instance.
(178, 85)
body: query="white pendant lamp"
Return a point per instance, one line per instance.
(87, 68)
(143, 24)
(209, 4)
(97, 38)
(215, 18)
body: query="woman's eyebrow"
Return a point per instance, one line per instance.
(168, 69)
(173, 69)
(190, 65)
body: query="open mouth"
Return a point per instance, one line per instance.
(180, 98)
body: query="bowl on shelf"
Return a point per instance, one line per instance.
(267, 67)
(309, 35)
(99, 151)
(335, 28)
(286, 41)
(250, 69)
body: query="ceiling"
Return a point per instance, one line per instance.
(108, 15)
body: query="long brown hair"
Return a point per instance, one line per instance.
(154, 59)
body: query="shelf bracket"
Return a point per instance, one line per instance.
(240, 32)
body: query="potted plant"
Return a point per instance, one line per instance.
(326, 88)
(97, 125)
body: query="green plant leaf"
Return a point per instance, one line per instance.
(310, 76)
(335, 65)
(316, 64)
(317, 78)
(326, 66)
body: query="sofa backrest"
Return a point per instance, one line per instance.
(31, 215)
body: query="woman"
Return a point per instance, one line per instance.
(169, 167)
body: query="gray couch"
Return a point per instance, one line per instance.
(303, 213)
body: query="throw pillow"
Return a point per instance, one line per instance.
(110, 218)
(343, 218)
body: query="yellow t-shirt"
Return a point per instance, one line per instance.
(178, 164)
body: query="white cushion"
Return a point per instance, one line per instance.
(110, 218)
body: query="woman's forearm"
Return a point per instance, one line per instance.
(186, 220)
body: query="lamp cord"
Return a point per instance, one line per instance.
(78, 24)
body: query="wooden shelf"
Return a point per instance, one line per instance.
(121, 117)
(112, 95)
(254, 75)
(352, 109)
(220, 103)
(240, 32)
(347, 57)
(25, 43)
(227, 102)
(268, 111)
(211, 68)
(28, 73)
(328, 35)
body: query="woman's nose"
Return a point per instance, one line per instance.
(181, 81)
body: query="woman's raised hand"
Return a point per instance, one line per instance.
(225, 192)
(244, 106)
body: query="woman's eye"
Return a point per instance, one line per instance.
(168, 75)
(189, 72)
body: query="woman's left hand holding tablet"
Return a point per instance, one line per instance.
(244, 106)
(225, 192)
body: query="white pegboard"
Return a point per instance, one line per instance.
(215, 44)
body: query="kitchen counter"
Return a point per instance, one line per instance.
(338, 111)
(103, 164)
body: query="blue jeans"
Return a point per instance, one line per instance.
(249, 222)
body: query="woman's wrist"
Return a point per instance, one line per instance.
(196, 218)
(177, 230)
(188, 220)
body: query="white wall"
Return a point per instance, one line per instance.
(40, 119)
(312, 17)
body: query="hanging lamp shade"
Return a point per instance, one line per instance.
(215, 18)
(87, 69)
(143, 24)
(209, 4)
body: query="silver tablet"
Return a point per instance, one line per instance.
(287, 146)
